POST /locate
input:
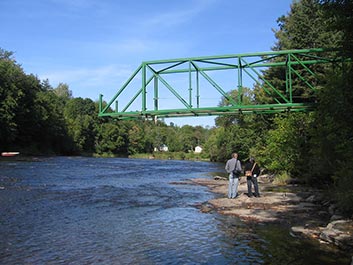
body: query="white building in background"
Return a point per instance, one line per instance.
(162, 148)
(198, 149)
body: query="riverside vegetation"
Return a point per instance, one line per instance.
(316, 148)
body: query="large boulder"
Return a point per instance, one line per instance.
(340, 233)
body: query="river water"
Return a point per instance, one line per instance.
(76, 210)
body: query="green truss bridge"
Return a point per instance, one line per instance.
(195, 86)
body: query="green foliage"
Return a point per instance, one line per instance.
(286, 144)
(332, 136)
(52, 133)
(327, 150)
(28, 116)
(172, 139)
(216, 146)
(305, 27)
(343, 188)
(10, 94)
(110, 139)
(136, 140)
(63, 91)
(281, 178)
(187, 138)
(80, 116)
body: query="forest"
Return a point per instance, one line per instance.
(315, 147)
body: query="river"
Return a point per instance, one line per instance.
(78, 210)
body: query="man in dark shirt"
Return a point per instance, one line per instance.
(252, 171)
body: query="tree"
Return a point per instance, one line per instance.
(248, 98)
(187, 138)
(304, 27)
(172, 141)
(80, 116)
(110, 139)
(63, 91)
(136, 140)
(287, 144)
(333, 137)
(216, 146)
(10, 95)
(20, 115)
(6, 56)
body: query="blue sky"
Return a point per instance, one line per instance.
(95, 45)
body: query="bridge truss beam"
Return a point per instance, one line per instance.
(296, 64)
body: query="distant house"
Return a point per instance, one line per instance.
(198, 149)
(162, 148)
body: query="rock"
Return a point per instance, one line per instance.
(325, 203)
(266, 178)
(206, 208)
(332, 209)
(340, 233)
(311, 198)
(292, 234)
(295, 181)
(336, 217)
(305, 231)
(316, 198)
(218, 178)
(298, 229)
(306, 205)
(328, 236)
(322, 213)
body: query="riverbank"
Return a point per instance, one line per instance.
(306, 211)
(171, 156)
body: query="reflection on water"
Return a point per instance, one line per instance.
(124, 211)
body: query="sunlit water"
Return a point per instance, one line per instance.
(128, 211)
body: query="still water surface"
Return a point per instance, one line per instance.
(66, 210)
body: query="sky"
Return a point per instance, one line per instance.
(94, 46)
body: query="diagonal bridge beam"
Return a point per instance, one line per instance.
(180, 86)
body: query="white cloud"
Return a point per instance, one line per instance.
(133, 45)
(177, 17)
(136, 49)
(169, 19)
(88, 76)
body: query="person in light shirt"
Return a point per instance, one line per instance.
(233, 168)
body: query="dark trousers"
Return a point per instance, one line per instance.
(250, 181)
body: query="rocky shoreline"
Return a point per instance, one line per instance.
(306, 211)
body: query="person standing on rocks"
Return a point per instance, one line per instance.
(233, 168)
(252, 171)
